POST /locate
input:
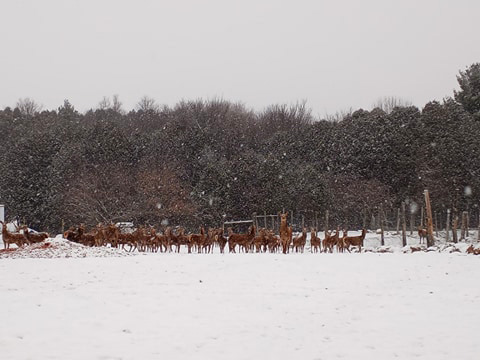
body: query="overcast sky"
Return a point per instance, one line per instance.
(335, 55)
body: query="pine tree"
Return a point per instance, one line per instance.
(469, 95)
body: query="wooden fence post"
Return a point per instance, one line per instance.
(404, 226)
(2, 218)
(454, 228)
(364, 218)
(380, 220)
(478, 233)
(468, 224)
(430, 239)
(411, 222)
(464, 226)
(447, 226)
(326, 221)
(398, 221)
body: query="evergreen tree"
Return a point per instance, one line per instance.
(469, 93)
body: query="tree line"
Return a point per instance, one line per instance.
(202, 162)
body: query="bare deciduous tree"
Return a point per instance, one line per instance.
(388, 103)
(117, 104)
(28, 107)
(105, 103)
(147, 104)
(339, 115)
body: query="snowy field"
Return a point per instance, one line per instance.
(241, 306)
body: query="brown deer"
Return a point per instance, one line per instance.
(127, 239)
(232, 244)
(197, 240)
(90, 238)
(110, 233)
(150, 239)
(176, 238)
(172, 239)
(182, 239)
(341, 241)
(260, 240)
(220, 239)
(210, 240)
(299, 241)
(99, 235)
(472, 250)
(12, 238)
(422, 233)
(142, 237)
(74, 233)
(242, 240)
(285, 233)
(159, 241)
(315, 242)
(355, 241)
(34, 237)
(330, 241)
(273, 241)
(70, 234)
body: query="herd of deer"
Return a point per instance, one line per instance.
(172, 240)
(149, 239)
(23, 236)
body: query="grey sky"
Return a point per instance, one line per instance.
(334, 54)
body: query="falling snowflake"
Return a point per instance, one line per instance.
(468, 191)
(413, 207)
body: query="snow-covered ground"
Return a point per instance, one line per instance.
(422, 305)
